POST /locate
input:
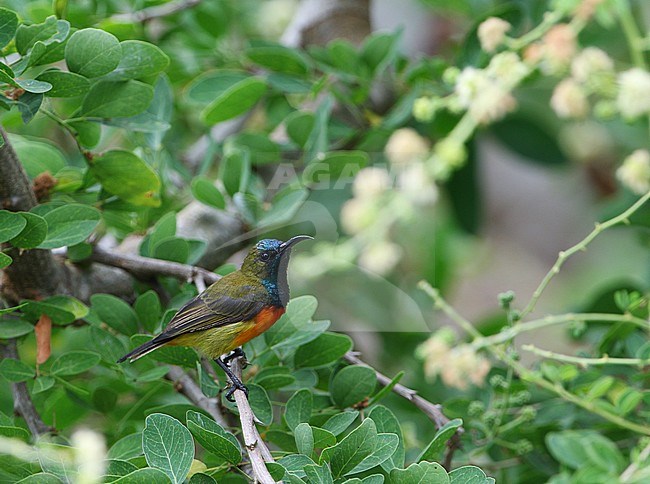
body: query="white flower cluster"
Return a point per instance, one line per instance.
(492, 33)
(634, 173)
(486, 93)
(381, 199)
(633, 98)
(592, 72)
(457, 366)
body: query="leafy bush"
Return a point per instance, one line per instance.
(147, 148)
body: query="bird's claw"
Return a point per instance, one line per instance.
(238, 352)
(234, 386)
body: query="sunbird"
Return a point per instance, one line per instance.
(233, 310)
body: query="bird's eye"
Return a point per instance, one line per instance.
(265, 256)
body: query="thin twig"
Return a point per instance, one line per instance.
(22, 401)
(258, 452)
(183, 383)
(531, 376)
(146, 267)
(585, 362)
(156, 11)
(580, 246)
(431, 410)
(630, 470)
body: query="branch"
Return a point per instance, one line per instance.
(580, 246)
(585, 362)
(184, 384)
(157, 11)
(146, 267)
(258, 452)
(431, 410)
(22, 402)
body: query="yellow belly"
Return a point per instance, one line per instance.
(215, 342)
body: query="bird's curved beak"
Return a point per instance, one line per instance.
(293, 241)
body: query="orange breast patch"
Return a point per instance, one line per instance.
(263, 321)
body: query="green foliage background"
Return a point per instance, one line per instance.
(109, 108)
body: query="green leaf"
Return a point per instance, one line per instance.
(58, 308)
(295, 327)
(11, 224)
(319, 474)
(304, 439)
(28, 105)
(110, 347)
(14, 432)
(200, 478)
(69, 225)
(213, 437)
(323, 438)
(260, 404)
(5, 260)
(386, 390)
(11, 310)
(205, 88)
(74, 362)
(40, 478)
(173, 249)
(88, 133)
(168, 446)
(127, 447)
(352, 450)
(119, 468)
(49, 32)
(124, 174)
(332, 166)
(42, 383)
(234, 171)
(285, 205)
(147, 307)
(279, 58)
(585, 448)
(352, 384)
(65, 84)
(387, 444)
(272, 378)
(115, 313)
(295, 464)
(261, 149)
(298, 408)
(338, 423)
(387, 422)
(38, 157)
(116, 99)
(428, 472)
(145, 476)
(15, 370)
(8, 26)
(373, 479)
(468, 475)
(205, 192)
(234, 101)
(165, 227)
(323, 351)
(33, 234)
(299, 126)
(80, 252)
(627, 400)
(434, 450)
(13, 328)
(92, 52)
(139, 60)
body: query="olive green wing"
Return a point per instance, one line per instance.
(212, 309)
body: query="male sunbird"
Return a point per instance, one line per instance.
(233, 310)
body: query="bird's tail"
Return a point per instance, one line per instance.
(144, 349)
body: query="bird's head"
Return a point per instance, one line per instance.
(270, 257)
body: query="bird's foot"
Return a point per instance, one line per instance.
(236, 353)
(236, 385)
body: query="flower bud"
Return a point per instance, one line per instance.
(633, 97)
(424, 109)
(492, 33)
(635, 172)
(371, 182)
(569, 100)
(589, 62)
(404, 146)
